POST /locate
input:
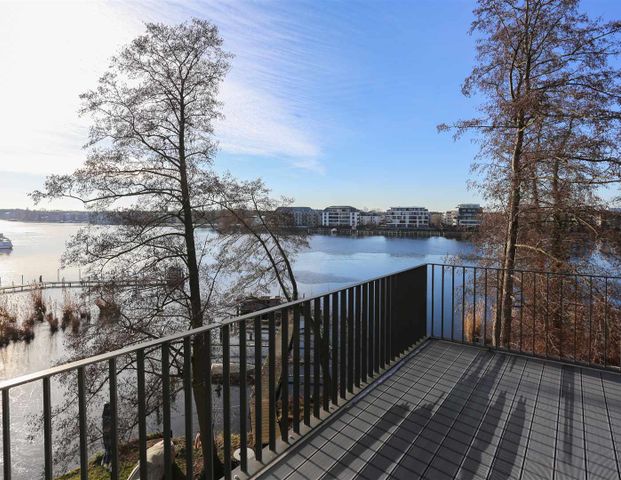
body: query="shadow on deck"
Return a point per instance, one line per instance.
(456, 411)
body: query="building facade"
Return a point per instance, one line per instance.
(372, 219)
(407, 217)
(469, 215)
(449, 218)
(340, 216)
(301, 216)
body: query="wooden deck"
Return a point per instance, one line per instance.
(455, 411)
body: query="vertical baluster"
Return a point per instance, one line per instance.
(284, 373)
(166, 410)
(463, 302)
(364, 320)
(82, 424)
(343, 341)
(325, 353)
(207, 463)
(576, 320)
(433, 299)
(606, 322)
(358, 336)
(441, 304)
(535, 293)
(335, 347)
(521, 307)
(350, 340)
(47, 429)
(389, 322)
(453, 302)
(383, 322)
(114, 473)
(296, 368)
(371, 329)
(271, 353)
(6, 435)
(498, 312)
(307, 362)
(187, 405)
(590, 318)
(316, 356)
(243, 399)
(474, 302)
(258, 404)
(485, 307)
(377, 325)
(561, 319)
(547, 315)
(142, 414)
(226, 399)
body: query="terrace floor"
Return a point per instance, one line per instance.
(456, 411)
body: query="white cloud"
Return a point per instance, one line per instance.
(52, 51)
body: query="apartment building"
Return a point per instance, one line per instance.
(301, 216)
(340, 216)
(465, 215)
(469, 215)
(407, 217)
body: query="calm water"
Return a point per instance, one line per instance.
(329, 263)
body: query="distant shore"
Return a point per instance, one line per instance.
(387, 232)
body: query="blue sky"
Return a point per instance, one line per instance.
(330, 102)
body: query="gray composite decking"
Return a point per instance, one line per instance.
(455, 411)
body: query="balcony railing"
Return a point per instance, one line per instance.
(558, 316)
(333, 344)
(297, 362)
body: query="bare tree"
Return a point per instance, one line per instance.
(151, 141)
(548, 130)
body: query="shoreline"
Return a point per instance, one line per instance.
(385, 232)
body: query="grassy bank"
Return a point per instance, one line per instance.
(129, 456)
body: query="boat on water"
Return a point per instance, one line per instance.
(5, 243)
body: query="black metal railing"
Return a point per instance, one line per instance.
(560, 316)
(291, 363)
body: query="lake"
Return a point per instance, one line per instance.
(329, 263)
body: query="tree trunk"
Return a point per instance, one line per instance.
(502, 335)
(201, 346)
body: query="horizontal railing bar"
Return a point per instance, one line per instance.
(519, 270)
(179, 336)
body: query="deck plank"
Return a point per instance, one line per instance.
(539, 457)
(350, 449)
(457, 411)
(605, 409)
(509, 456)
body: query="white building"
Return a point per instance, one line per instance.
(340, 216)
(450, 218)
(407, 217)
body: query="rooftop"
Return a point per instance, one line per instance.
(456, 411)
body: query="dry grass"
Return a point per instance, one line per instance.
(53, 322)
(37, 302)
(70, 316)
(10, 330)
